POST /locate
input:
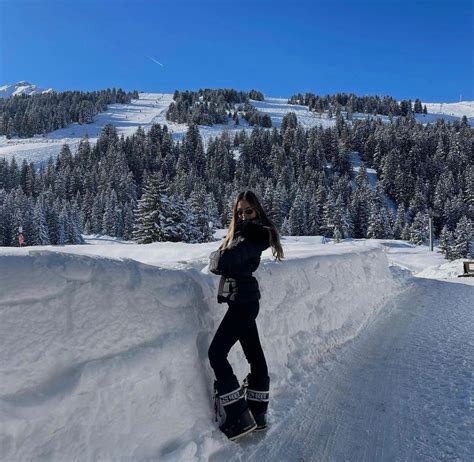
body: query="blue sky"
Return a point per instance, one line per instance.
(406, 49)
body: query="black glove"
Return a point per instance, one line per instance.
(255, 231)
(238, 224)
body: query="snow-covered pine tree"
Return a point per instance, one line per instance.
(463, 245)
(454, 209)
(267, 197)
(5, 219)
(418, 108)
(399, 222)
(376, 226)
(41, 233)
(212, 212)
(62, 225)
(419, 229)
(97, 214)
(341, 220)
(281, 203)
(86, 211)
(379, 221)
(201, 214)
(468, 192)
(110, 218)
(148, 214)
(297, 218)
(75, 229)
(21, 215)
(360, 204)
(446, 242)
(182, 183)
(128, 220)
(327, 223)
(177, 221)
(285, 227)
(160, 218)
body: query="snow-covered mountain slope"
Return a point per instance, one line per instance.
(21, 88)
(151, 108)
(463, 108)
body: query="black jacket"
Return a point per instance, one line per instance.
(236, 263)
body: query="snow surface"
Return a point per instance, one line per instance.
(463, 108)
(103, 353)
(400, 391)
(151, 108)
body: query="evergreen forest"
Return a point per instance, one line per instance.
(26, 115)
(149, 187)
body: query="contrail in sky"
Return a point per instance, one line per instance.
(155, 61)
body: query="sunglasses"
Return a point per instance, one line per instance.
(247, 212)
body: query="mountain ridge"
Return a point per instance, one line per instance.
(22, 87)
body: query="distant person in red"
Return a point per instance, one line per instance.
(250, 233)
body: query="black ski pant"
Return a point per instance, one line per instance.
(238, 324)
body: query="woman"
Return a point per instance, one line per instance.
(250, 232)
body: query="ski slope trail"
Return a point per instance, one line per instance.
(401, 390)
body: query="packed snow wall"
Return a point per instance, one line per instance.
(107, 359)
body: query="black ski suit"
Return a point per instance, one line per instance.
(240, 290)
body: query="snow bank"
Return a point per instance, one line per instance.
(447, 270)
(107, 359)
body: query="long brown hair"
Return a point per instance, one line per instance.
(254, 202)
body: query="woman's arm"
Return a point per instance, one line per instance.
(233, 258)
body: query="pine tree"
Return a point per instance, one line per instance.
(197, 200)
(281, 202)
(297, 219)
(159, 218)
(360, 204)
(213, 214)
(376, 226)
(285, 227)
(327, 225)
(149, 211)
(399, 223)
(21, 216)
(342, 224)
(446, 242)
(110, 219)
(96, 215)
(128, 221)
(406, 232)
(419, 229)
(41, 235)
(468, 192)
(418, 108)
(177, 221)
(463, 245)
(74, 232)
(61, 227)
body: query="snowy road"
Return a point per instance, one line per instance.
(402, 390)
